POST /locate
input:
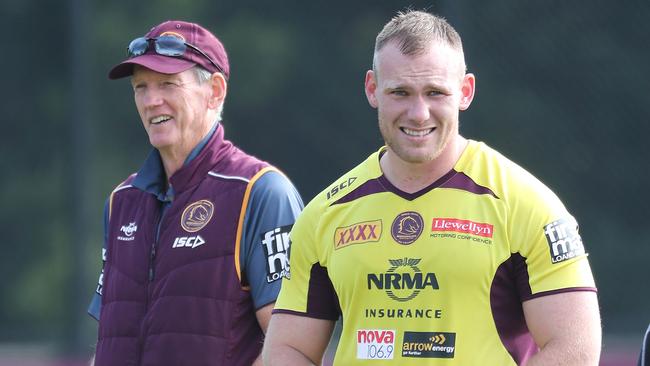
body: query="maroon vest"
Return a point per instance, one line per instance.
(175, 297)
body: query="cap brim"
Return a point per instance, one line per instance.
(155, 62)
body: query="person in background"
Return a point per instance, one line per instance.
(436, 250)
(196, 242)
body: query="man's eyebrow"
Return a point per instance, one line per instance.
(428, 85)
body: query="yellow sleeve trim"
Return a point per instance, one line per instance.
(242, 214)
(110, 205)
(110, 199)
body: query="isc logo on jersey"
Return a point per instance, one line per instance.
(375, 344)
(340, 187)
(563, 240)
(276, 245)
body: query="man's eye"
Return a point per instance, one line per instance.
(400, 93)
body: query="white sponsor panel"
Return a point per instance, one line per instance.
(276, 245)
(563, 240)
(100, 283)
(375, 344)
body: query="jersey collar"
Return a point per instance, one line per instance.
(151, 177)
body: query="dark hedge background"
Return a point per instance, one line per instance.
(562, 89)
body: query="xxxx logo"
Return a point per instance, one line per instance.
(362, 232)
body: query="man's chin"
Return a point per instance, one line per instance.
(416, 157)
(160, 144)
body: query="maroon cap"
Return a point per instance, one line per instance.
(190, 33)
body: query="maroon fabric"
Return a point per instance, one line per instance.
(370, 187)
(191, 33)
(509, 287)
(179, 306)
(460, 180)
(452, 179)
(559, 291)
(322, 301)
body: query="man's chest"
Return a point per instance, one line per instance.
(397, 250)
(201, 223)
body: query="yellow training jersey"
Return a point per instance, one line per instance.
(436, 277)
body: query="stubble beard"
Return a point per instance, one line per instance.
(403, 154)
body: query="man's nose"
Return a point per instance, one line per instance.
(419, 110)
(152, 97)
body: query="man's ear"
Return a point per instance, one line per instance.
(467, 89)
(219, 89)
(371, 88)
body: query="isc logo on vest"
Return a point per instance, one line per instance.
(188, 242)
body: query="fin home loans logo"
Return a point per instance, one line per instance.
(403, 280)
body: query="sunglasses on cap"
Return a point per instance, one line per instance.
(166, 46)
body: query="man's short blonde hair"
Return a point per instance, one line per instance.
(413, 32)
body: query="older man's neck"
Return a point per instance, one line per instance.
(173, 159)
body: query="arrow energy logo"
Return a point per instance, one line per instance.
(429, 344)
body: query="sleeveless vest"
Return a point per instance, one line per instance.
(172, 291)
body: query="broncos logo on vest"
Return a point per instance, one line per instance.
(197, 215)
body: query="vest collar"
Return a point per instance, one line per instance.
(151, 177)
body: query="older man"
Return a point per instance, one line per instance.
(196, 241)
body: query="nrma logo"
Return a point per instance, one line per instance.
(403, 281)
